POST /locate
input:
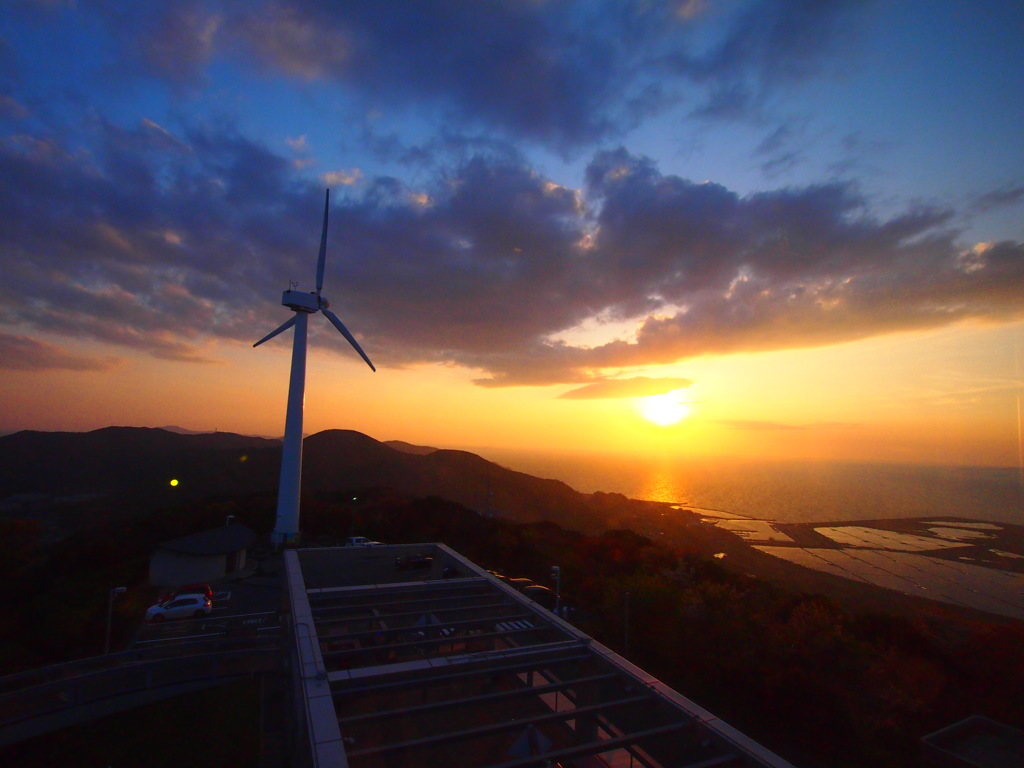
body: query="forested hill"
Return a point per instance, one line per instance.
(135, 462)
(140, 463)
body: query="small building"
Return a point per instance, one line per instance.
(201, 557)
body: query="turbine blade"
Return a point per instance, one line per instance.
(351, 339)
(284, 327)
(323, 247)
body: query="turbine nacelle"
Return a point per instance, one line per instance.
(309, 302)
(302, 301)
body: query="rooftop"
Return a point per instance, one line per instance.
(216, 541)
(445, 665)
(977, 742)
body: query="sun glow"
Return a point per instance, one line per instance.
(664, 410)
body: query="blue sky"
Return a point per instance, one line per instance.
(535, 192)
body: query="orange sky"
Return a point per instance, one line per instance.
(941, 397)
(802, 220)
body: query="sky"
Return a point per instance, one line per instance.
(786, 228)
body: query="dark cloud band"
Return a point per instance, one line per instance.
(163, 242)
(21, 353)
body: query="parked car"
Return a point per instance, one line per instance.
(181, 607)
(413, 562)
(188, 589)
(361, 541)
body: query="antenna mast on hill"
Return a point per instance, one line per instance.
(286, 528)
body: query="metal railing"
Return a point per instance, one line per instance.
(42, 675)
(48, 690)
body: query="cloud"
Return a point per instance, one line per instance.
(1004, 197)
(11, 108)
(341, 178)
(554, 72)
(483, 264)
(301, 41)
(97, 224)
(763, 46)
(23, 353)
(774, 270)
(640, 386)
(691, 9)
(562, 74)
(171, 41)
(782, 149)
(760, 313)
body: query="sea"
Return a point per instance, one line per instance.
(788, 492)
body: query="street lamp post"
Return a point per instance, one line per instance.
(114, 593)
(556, 572)
(625, 627)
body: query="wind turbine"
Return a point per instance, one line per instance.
(303, 304)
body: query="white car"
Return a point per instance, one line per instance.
(361, 541)
(181, 607)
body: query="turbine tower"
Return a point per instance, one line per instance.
(286, 529)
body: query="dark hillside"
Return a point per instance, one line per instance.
(338, 460)
(136, 465)
(821, 685)
(401, 445)
(488, 487)
(120, 461)
(339, 456)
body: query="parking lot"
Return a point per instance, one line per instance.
(250, 606)
(386, 564)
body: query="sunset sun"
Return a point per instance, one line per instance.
(664, 410)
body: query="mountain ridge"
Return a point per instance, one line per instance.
(401, 445)
(139, 463)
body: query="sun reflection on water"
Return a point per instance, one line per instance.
(660, 483)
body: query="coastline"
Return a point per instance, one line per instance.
(788, 491)
(949, 563)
